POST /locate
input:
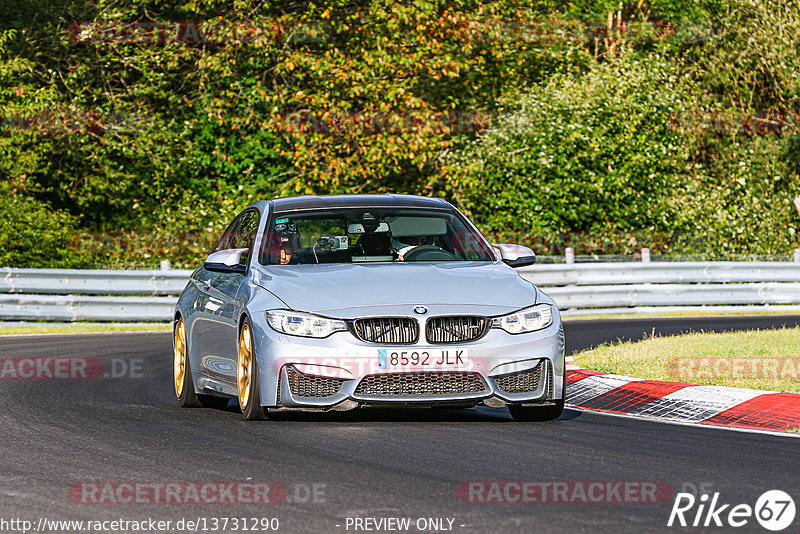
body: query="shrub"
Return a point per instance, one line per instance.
(597, 154)
(34, 235)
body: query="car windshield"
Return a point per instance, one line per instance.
(367, 235)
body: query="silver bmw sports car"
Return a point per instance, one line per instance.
(338, 302)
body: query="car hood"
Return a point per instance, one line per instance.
(345, 290)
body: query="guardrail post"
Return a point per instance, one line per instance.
(645, 255)
(165, 265)
(569, 253)
(797, 255)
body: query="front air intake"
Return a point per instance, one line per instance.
(388, 330)
(311, 386)
(522, 381)
(457, 329)
(424, 384)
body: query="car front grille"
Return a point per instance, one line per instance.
(425, 383)
(311, 386)
(522, 381)
(458, 329)
(389, 330)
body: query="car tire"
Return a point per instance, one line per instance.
(247, 384)
(181, 369)
(540, 413)
(182, 374)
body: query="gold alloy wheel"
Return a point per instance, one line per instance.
(179, 363)
(243, 371)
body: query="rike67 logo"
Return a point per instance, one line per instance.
(774, 510)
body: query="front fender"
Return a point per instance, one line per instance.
(259, 301)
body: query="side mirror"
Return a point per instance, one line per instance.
(515, 255)
(233, 260)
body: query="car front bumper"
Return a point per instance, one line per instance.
(341, 371)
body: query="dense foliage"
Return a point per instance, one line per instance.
(132, 131)
(567, 167)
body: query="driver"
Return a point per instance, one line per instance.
(403, 245)
(289, 238)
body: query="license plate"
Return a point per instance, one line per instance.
(423, 359)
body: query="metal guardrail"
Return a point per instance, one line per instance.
(93, 282)
(647, 287)
(72, 295)
(578, 289)
(69, 308)
(585, 274)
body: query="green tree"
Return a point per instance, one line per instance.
(594, 156)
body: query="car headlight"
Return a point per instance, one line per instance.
(527, 320)
(303, 324)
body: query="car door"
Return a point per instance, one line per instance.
(218, 320)
(204, 315)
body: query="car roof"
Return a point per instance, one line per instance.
(309, 202)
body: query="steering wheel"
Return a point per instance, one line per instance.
(428, 253)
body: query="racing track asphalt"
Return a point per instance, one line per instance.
(373, 463)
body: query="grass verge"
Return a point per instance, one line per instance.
(79, 328)
(757, 359)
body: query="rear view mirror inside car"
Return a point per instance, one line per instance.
(358, 228)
